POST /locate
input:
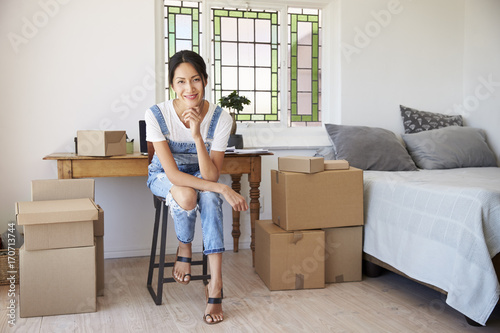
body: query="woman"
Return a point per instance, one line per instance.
(190, 136)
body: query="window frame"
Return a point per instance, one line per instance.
(268, 135)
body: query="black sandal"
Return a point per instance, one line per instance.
(212, 300)
(181, 259)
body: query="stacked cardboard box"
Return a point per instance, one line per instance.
(315, 235)
(60, 251)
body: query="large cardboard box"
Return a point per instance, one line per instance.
(305, 164)
(343, 254)
(57, 281)
(53, 224)
(325, 199)
(60, 189)
(101, 143)
(289, 260)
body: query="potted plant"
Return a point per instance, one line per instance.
(234, 102)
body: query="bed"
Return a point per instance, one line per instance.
(431, 205)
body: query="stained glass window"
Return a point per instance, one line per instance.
(304, 50)
(182, 30)
(245, 56)
(246, 59)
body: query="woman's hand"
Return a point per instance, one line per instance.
(193, 118)
(235, 199)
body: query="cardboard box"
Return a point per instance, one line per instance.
(57, 281)
(343, 254)
(336, 165)
(325, 199)
(289, 260)
(101, 143)
(53, 224)
(305, 164)
(99, 265)
(60, 189)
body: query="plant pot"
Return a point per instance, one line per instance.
(236, 141)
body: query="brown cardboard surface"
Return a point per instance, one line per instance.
(305, 164)
(336, 165)
(99, 223)
(325, 199)
(343, 254)
(53, 224)
(289, 260)
(101, 143)
(55, 282)
(54, 211)
(58, 235)
(99, 265)
(60, 189)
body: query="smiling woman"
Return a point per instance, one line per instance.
(190, 136)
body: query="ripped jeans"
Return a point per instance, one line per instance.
(209, 205)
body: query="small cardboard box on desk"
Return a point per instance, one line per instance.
(57, 260)
(101, 143)
(59, 189)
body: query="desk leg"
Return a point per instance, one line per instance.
(64, 169)
(236, 186)
(254, 179)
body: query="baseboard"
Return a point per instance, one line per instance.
(144, 252)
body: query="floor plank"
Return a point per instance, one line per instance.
(389, 303)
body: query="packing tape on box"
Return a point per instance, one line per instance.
(297, 235)
(299, 281)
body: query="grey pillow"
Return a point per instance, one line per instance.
(450, 147)
(326, 152)
(369, 148)
(415, 121)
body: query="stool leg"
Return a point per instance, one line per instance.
(205, 266)
(161, 264)
(153, 245)
(157, 297)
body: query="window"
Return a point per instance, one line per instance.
(244, 50)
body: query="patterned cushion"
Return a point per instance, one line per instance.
(415, 121)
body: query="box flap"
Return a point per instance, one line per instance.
(114, 136)
(55, 211)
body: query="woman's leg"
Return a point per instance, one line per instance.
(183, 204)
(215, 288)
(210, 205)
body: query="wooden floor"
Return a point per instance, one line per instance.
(389, 303)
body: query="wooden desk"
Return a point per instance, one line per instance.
(71, 166)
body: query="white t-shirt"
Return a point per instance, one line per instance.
(180, 133)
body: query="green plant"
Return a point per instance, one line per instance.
(234, 102)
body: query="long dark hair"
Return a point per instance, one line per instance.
(190, 57)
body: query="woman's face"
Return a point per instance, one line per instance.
(188, 85)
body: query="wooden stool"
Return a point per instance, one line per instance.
(159, 204)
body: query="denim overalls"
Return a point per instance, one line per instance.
(209, 203)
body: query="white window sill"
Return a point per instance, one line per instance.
(273, 136)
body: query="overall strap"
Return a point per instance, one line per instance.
(161, 121)
(213, 123)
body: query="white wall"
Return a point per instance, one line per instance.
(88, 64)
(481, 101)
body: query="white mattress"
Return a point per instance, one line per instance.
(440, 227)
